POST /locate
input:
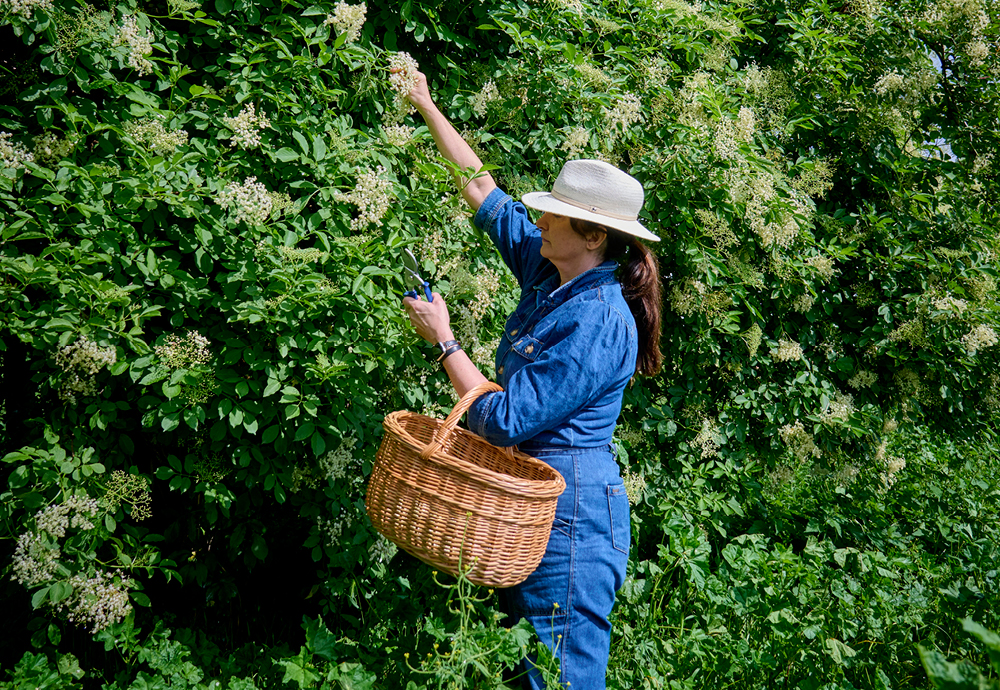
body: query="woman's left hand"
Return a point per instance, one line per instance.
(430, 319)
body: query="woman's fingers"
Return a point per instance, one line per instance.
(430, 319)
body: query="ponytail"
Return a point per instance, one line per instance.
(641, 287)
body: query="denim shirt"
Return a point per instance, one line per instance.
(567, 352)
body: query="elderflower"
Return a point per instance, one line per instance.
(626, 111)
(948, 307)
(803, 303)
(708, 438)
(787, 351)
(893, 465)
(138, 42)
(890, 82)
(247, 126)
(398, 135)
(487, 95)
(36, 559)
(403, 76)
(97, 601)
(25, 8)
(635, 486)
(250, 200)
(382, 550)
(348, 19)
(799, 441)
(979, 338)
(577, 140)
(336, 463)
(81, 361)
(54, 520)
(50, 148)
(131, 489)
(150, 133)
(862, 379)
(184, 353)
(823, 265)
(13, 155)
(840, 409)
(371, 196)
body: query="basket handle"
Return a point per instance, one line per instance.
(460, 409)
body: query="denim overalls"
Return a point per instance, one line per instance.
(564, 360)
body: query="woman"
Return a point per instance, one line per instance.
(576, 339)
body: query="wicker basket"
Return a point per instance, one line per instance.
(451, 499)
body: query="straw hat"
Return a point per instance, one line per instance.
(595, 191)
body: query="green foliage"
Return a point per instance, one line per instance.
(963, 675)
(200, 330)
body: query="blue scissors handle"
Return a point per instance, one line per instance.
(427, 292)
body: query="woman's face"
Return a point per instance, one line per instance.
(560, 242)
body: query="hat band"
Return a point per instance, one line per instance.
(592, 209)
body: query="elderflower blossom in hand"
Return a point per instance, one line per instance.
(247, 126)
(138, 42)
(403, 77)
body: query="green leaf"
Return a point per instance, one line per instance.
(304, 431)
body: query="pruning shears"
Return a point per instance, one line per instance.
(411, 276)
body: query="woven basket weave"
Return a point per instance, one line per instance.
(451, 499)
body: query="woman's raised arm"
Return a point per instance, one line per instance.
(451, 145)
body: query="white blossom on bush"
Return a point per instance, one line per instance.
(823, 265)
(97, 601)
(336, 463)
(247, 126)
(862, 379)
(250, 201)
(184, 353)
(74, 512)
(36, 559)
(398, 135)
(81, 361)
(50, 148)
(626, 111)
(799, 441)
(150, 133)
(787, 351)
(371, 196)
(979, 338)
(348, 19)
(138, 42)
(840, 409)
(487, 95)
(25, 8)
(13, 155)
(577, 140)
(403, 76)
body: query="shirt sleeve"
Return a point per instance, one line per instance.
(514, 235)
(571, 372)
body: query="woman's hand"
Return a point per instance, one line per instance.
(430, 319)
(420, 95)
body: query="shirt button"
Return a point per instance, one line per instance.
(500, 371)
(513, 333)
(529, 349)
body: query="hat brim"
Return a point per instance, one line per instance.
(544, 201)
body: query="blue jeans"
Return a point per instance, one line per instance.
(569, 596)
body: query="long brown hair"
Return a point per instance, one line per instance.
(641, 287)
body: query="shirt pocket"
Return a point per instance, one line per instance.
(618, 513)
(527, 347)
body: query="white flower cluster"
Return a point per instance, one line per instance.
(139, 43)
(487, 287)
(184, 353)
(97, 601)
(577, 140)
(788, 351)
(626, 112)
(730, 134)
(25, 8)
(371, 196)
(979, 338)
(635, 486)
(708, 438)
(398, 135)
(13, 155)
(382, 550)
(81, 361)
(845, 476)
(862, 379)
(799, 441)
(251, 201)
(331, 529)
(50, 148)
(487, 95)
(893, 465)
(948, 307)
(889, 83)
(336, 463)
(840, 409)
(75, 512)
(247, 126)
(348, 19)
(971, 16)
(823, 265)
(36, 559)
(150, 133)
(403, 76)
(803, 303)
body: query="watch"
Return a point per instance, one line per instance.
(447, 347)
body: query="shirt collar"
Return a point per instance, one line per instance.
(594, 277)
